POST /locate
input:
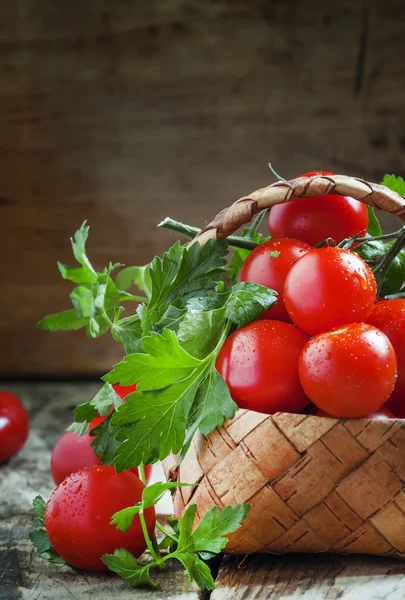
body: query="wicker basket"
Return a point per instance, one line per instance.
(314, 484)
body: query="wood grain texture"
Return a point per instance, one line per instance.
(314, 577)
(125, 112)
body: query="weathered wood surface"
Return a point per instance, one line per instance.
(23, 576)
(310, 577)
(124, 112)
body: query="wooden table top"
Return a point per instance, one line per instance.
(23, 576)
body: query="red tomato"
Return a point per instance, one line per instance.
(271, 271)
(389, 316)
(73, 452)
(78, 516)
(380, 414)
(259, 364)
(315, 219)
(329, 287)
(14, 425)
(124, 390)
(348, 372)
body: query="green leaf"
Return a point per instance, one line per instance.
(247, 302)
(79, 246)
(126, 566)
(129, 332)
(104, 444)
(138, 276)
(197, 570)
(83, 301)
(78, 275)
(171, 319)
(123, 518)
(212, 405)
(214, 526)
(184, 272)
(211, 301)
(105, 399)
(39, 506)
(274, 254)
(374, 227)
(154, 425)
(372, 252)
(150, 496)
(163, 363)
(40, 540)
(144, 317)
(396, 184)
(155, 492)
(63, 321)
(199, 332)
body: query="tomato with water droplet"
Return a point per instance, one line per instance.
(78, 516)
(348, 372)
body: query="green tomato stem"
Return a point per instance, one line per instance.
(257, 221)
(191, 232)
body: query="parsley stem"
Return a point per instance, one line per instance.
(191, 232)
(166, 532)
(148, 541)
(142, 475)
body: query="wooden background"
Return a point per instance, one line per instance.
(125, 111)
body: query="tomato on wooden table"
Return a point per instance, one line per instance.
(328, 287)
(259, 363)
(389, 316)
(315, 219)
(14, 425)
(348, 372)
(268, 265)
(79, 512)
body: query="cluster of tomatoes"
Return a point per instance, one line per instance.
(327, 346)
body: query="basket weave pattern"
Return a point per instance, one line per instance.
(314, 484)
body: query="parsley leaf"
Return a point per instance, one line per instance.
(200, 331)
(96, 298)
(396, 184)
(150, 496)
(39, 538)
(215, 524)
(374, 227)
(247, 302)
(184, 272)
(164, 362)
(137, 276)
(197, 570)
(126, 566)
(105, 399)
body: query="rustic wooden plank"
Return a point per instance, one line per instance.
(126, 112)
(24, 576)
(316, 577)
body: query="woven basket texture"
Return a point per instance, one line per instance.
(314, 484)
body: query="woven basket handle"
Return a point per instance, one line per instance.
(244, 209)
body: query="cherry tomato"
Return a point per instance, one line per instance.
(124, 390)
(271, 271)
(315, 219)
(328, 287)
(79, 511)
(259, 364)
(73, 452)
(389, 316)
(380, 414)
(14, 425)
(348, 372)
